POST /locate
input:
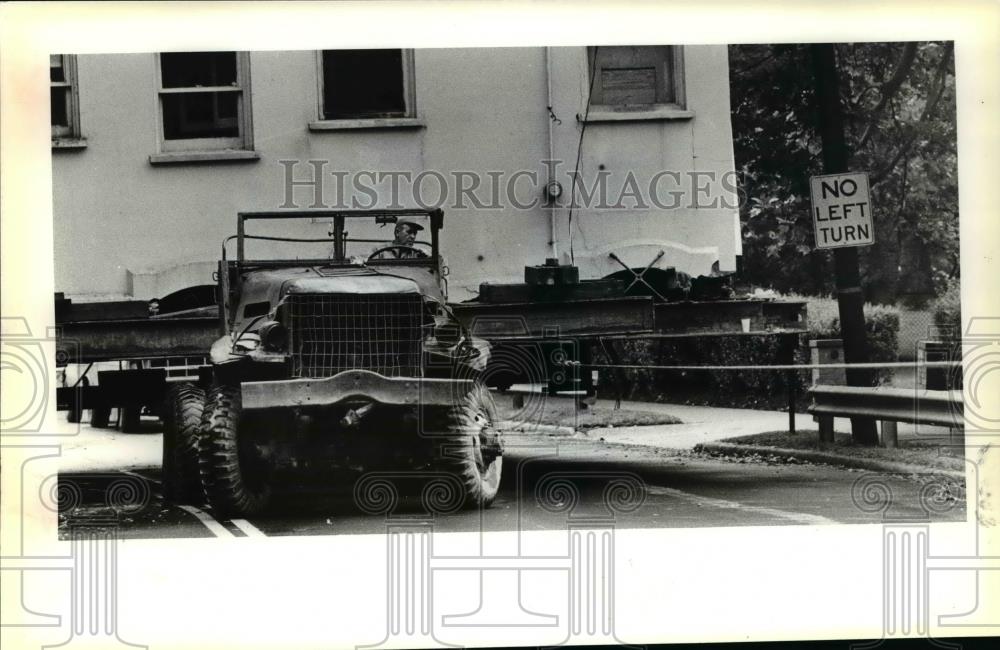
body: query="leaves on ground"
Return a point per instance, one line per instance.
(937, 452)
(563, 412)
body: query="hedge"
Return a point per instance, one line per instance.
(748, 389)
(947, 311)
(881, 325)
(714, 387)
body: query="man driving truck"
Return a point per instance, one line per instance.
(401, 247)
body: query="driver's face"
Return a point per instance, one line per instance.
(404, 237)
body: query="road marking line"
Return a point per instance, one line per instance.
(797, 517)
(215, 527)
(248, 528)
(228, 525)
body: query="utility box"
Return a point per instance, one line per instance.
(551, 274)
(824, 351)
(937, 378)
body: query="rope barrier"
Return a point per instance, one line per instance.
(811, 366)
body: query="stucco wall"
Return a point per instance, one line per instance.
(123, 225)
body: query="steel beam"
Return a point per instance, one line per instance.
(728, 316)
(133, 338)
(87, 341)
(574, 318)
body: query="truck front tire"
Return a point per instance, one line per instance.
(183, 410)
(233, 485)
(473, 450)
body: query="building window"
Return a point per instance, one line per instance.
(205, 102)
(637, 79)
(64, 100)
(365, 88)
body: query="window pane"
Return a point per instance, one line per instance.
(192, 69)
(201, 115)
(363, 83)
(60, 106)
(56, 70)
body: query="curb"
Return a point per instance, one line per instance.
(524, 428)
(824, 457)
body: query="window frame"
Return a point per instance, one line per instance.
(70, 136)
(208, 148)
(675, 110)
(410, 119)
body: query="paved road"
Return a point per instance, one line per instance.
(546, 484)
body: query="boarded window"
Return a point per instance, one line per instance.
(365, 84)
(636, 76)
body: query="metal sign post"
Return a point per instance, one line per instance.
(848, 278)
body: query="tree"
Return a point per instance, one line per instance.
(899, 102)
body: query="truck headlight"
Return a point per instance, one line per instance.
(273, 336)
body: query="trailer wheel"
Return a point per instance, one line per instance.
(100, 416)
(75, 413)
(131, 419)
(234, 477)
(183, 410)
(472, 448)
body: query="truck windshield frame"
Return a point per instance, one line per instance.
(338, 236)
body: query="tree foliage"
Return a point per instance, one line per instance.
(898, 101)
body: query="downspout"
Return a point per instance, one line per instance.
(548, 118)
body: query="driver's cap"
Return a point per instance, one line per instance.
(414, 227)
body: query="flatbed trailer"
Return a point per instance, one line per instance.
(531, 338)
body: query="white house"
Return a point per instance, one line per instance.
(155, 153)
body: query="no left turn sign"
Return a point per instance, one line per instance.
(842, 210)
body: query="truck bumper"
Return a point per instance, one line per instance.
(353, 385)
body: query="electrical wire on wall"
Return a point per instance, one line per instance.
(579, 155)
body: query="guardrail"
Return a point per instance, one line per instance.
(889, 405)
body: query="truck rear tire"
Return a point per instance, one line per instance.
(183, 410)
(234, 483)
(473, 448)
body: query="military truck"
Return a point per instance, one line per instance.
(347, 361)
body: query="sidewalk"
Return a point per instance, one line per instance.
(712, 431)
(107, 450)
(701, 424)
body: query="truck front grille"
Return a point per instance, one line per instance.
(330, 333)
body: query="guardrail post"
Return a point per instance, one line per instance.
(889, 439)
(825, 428)
(822, 351)
(790, 382)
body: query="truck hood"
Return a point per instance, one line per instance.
(349, 284)
(272, 285)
